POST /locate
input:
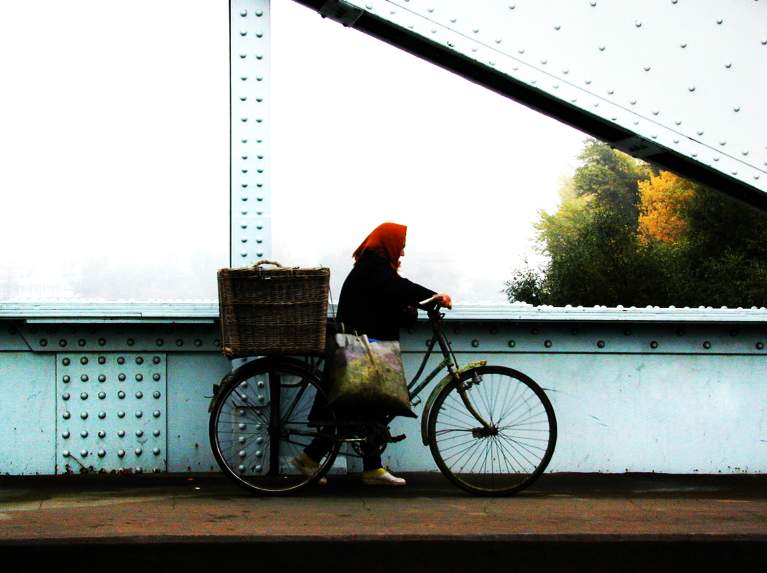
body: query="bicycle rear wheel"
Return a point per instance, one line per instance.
(260, 421)
(513, 452)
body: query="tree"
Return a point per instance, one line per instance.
(662, 199)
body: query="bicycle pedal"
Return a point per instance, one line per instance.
(398, 438)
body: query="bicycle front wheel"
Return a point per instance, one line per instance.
(513, 451)
(260, 421)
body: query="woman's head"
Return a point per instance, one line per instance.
(387, 240)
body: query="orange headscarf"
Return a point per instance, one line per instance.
(386, 240)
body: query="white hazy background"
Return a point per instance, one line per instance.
(114, 154)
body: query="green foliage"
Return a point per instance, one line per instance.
(596, 256)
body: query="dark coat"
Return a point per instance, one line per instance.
(373, 298)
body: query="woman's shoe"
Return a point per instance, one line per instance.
(381, 477)
(307, 466)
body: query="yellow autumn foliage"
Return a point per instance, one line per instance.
(662, 197)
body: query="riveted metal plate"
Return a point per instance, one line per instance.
(10, 336)
(250, 160)
(111, 412)
(579, 338)
(130, 338)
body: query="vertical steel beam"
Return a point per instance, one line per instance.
(250, 201)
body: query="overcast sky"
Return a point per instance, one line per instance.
(114, 165)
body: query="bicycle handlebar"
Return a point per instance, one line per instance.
(430, 304)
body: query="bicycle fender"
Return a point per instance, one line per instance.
(433, 396)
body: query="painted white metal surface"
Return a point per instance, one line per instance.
(205, 310)
(250, 222)
(683, 75)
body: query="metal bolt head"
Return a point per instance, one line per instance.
(121, 360)
(139, 395)
(102, 359)
(102, 378)
(65, 396)
(139, 413)
(139, 360)
(65, 453)
(242, 453)
(121, 377)
(66, 415)
(84, 360)
(156, 433)
(121, 433)
(156, 376)
(65, 362)
(138, 451)
(66, 378)
(102, 434)
(156, 359)
(600, 343)
(156, 394)
(121, 394)
(65, 434)
(84, 415)
(84, 377)
(83, 395)
(156, 413)
(654, 344)
(139, 433)
(84, 434)
(120, 453)
(102, 395)
(84, 453)
(101, 453)
(139, 377)
(156, 451)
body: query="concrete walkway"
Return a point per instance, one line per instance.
(608, 515)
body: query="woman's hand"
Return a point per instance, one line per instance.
(444, 299)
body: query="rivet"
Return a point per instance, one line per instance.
(65, 362)
(83, 395)
(159, 342)
(259, 13)
(600, 343)
(102, 453)
(84, 453)
(102, 434)
(512, 343)
(760, 345)
(65, 453)
(258, 468)
(683, 45)
(65, 434)
(130, 342)
(706, 344)
(155, 376)
(121, 377)
(139, 377)
(179, 342)
(654, 344)
(647, 68)
(102, 378)
(121, 433)
(121, 453)
(121, 360)
(728, 65)
(139, 413)
(139, 433)
(139, 395)
(259, 440)
(84, 360)
(120, 414)
(241, 439)
(547, 343)
(736, 108)
(102, 359)
(475, 343)
(197, 342)
(259, 453)
(66, 415)
(155, 359)
(156, 433)
(43, 342)
(84, 415)
(138, 451)
(139, 360)
(719, 20)
(62, 343)
(156, 394)
(66, 378)
(81, 342)
(65, 396)
(84, 434)
(121, 394)
(243, 13)
(242, 453)
(156, 451)
(242, 426)
(638, 23)
(84, 377)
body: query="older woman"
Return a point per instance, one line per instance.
(374, 300)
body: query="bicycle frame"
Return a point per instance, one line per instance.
(449, 361)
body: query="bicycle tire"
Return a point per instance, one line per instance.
(492, 484)
(242, 432)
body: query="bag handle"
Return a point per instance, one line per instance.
(263, 262)
(366, 344)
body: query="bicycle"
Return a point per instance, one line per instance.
(491, 429)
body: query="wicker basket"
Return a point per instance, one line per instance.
(273, 311)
